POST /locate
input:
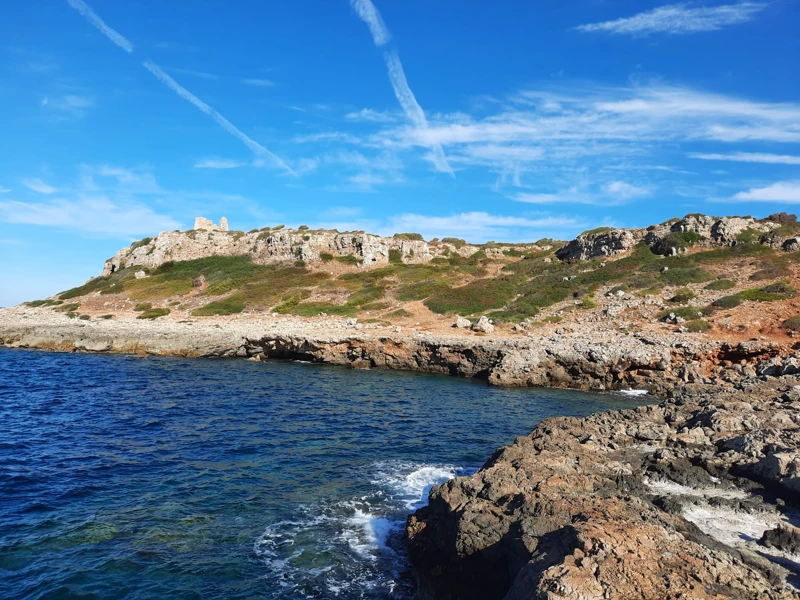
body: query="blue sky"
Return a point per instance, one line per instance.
(506, 121)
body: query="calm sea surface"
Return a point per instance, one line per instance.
(125, 477)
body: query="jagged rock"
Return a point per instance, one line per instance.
(603, 243)
(351, 323)
(775, 367)
(462, 323)
(571, 511)
(483, 325)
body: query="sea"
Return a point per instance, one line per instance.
(161, 477)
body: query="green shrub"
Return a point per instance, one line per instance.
(300, 264)
(596, 230)
(456, 242)
(409, 236)
(395, 256)
(303, 228)
(140, 243)
(154, 313)
(770, 293)
(479, 255)
(684, 312)
(792, 323)
(348, 259)
(106, 317)
(228, 306)
(686, 275)
(720, 285)
(683, 295)
(37, 303)
(400, 313)
(697, 326)
(325, 256)
(748, 236)
(727, 302)
(84, 317)
(142, 306)
(93, 285)
(71, 307)
(513, 252)
(771, 272)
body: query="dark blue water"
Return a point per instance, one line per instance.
(125, 477)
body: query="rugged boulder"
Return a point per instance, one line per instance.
(600, 243)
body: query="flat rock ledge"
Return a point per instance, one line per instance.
(593, 359)
(696, 497)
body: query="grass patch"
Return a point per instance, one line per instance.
(686, 275)
(93, 285)
(697, 326)
(325, 256)
(409, 236)
(348, 259)
(596, 230)
(231, 305)
(456, 242)
(720, 285)
(142, 306)
(475, 297)
(776, 271)
(400, 313)
(792, 323)
(154, 313)
(38, 303)
(106, 317)
(395, 256)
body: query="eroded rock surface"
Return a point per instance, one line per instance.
(664, 501)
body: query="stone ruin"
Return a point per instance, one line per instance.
(208, 225)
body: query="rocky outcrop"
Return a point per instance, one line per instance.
(286, 246)
(672, 237)
(633, 504)
(600, 244)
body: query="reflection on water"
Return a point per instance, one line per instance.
(190, 478)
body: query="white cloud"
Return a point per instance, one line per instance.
(258, 82)
(4, 190)
(219, 163)
(368, 114)
(679, 19)
(624, 190)
(752, 157)
(366, 10)
(37, 185)
(90, 16)
(92, 214)
(193, 73)
(782, 191)
(260, 151)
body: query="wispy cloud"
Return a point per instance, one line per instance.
(752, 157)
(260, 151)
(782, 191)
(219, 163)
(258, 82)
(193, 73)
(4, 190)
(373, 116)
(92, 17)
(366, 10)
(69, 106)
(262, 154)
(98, 215)
(402, 91)
(39, 186)
(625, 190)
(679, 19)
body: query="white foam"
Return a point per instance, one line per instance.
(368, 533)
(411, 483)
(634, 392)
(668, 488)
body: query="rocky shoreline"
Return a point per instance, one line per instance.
(696, 497)
(593, 359)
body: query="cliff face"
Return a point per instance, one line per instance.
(284, 246)
(644, 503)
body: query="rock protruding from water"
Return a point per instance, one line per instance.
(647, 503)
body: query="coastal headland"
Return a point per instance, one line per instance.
(696, 497)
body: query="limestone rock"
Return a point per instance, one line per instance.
(483, 325)
(462, 322)
(603, 243)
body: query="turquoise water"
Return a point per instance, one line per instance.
(124, 477)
